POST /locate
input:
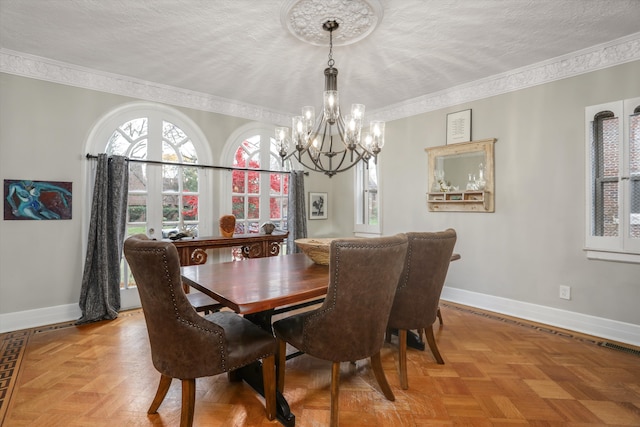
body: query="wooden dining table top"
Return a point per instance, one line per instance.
(260, 284)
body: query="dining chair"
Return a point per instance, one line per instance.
(417, 298)
(185, 344)
(351, 322)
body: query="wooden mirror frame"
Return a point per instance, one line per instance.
(462, 200)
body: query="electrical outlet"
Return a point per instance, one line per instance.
(565, 292)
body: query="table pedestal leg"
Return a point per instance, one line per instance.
(252, 373)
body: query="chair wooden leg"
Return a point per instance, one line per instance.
(269, 384)
(376, 365)
(402, 358)
(280, 364)
(188, 402)
(335, 391)
(163, 388)
(433, 346)
(439, 314)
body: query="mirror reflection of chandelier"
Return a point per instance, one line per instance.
(334, 143)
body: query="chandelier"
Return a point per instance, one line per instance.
(335, 143)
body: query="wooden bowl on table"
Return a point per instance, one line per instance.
(316, 249)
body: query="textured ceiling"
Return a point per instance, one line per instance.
(243, 50)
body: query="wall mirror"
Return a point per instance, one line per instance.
(461, 177)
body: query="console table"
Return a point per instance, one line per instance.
(192, 250)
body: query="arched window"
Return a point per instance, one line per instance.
(163, 198)
(256, 197)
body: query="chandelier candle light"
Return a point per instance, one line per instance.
(315, 146)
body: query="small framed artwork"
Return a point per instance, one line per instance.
(317, 205)
(37, 200)
(459, 127)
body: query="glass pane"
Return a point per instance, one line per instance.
(254, 208)
(274, 207)
(237, 180)
(139, 151)
(634, 169)
(137, 177)
(274, 183)
(240, 159)
(137, 208)
(169, 153)
(605, 169)
(170, 178)
(253, 184)
(190, 208)
(237, 209)
(190, 180)
(135, 128)
(172, 133)
(136, 229)
(188, 153)
(118, 144)
(610, 148)
(170, 205)
(372, 194)
(372, 208)
(254, 228)
(240, 228)
(610, 209)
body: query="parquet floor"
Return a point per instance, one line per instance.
(498, 372)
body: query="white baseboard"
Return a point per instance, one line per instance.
(596, 326)
(51, 315)
(39, 317)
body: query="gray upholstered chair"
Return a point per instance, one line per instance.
(418, 294)
(351, 323)
(184, 344)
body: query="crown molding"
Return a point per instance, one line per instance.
(46, 69)
(616, 52)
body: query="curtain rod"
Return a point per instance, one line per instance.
(197, 165)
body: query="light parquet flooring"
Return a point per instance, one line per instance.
(498, 372)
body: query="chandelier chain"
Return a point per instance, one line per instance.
(331, 61)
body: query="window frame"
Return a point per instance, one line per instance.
(360, 199)
(248, 131)
(97, 142)
(622, 247)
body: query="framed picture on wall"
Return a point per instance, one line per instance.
(318, 206)
(459, 127)
(37, 200)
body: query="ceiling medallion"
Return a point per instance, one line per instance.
(356, 19)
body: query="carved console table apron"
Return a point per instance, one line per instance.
(192, 251)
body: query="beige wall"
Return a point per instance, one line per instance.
(532, 243)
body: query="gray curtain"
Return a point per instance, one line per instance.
(297, 217)
(100, 293)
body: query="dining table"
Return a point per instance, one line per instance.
(260, 288)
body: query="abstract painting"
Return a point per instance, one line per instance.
(37, 200)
